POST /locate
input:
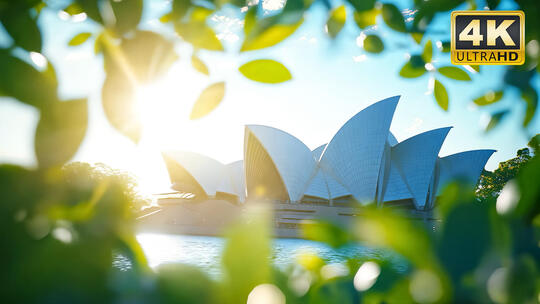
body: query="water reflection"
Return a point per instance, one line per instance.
(205, 251)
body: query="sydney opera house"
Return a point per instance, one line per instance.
(363, 163)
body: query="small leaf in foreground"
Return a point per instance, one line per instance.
(495, 119)
(266, 71)
(454, 73)
(336, 21)
(262, 36)
(393, 17)
(60, 131)
(373, 44)
(209, 99)
(79, 39)
(489, 98)
(199, 65)
(409, 71)
(366, 18)
(427, 54)
(441, 96)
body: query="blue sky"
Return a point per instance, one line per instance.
(332, 80)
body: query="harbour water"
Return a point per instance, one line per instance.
(205, 251)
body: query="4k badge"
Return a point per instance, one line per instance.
(488, 37)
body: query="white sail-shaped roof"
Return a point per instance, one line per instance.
(207, 172)
(396, 188)
(292, 159)
(392, 141)
(466, 166)
(318, 186)
(354, 154)
(238, 183)
(415, 158)
(318, 152)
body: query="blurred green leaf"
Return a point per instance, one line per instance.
(492, 4)
(441, 96)
(326, 232)
(417, 37)
(336, 21)
(91, 8)
(148, 55)
(246, 256)
(268, 32)
(428, 52)
(475, 67)
(166, 18)
(73, 9)
(266, 71)
(79, 39)
(177, 283)
(127, 14)
(393, 17)
(373, 44)
(199, 65)
(22, 27)
(118, 100)
(530, 96)
(489, 98)
(250, 19)
(362, 5)
(495, 119)
(199, 35)
(475, 236)
(23, 82)
(60, 131)
(209, 99)
(409, 71)
(446, 46)
(366, 18)
(180, 8)
(454, 73)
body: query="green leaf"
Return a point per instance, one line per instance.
(148, 54)
(199, 65)
(409, 71)
(428, 52)
(166, 18)
(266, 71)
(393, 17)
(91, 8)
(199, 35)
(373, 44)
(489, 98)
(417, 37)
(60, 131)
(246, 256)
(22, 28)
(366, 18)
(495, 119)
(209, 99)
(441, 96)
(79, 39)
(530, 96)
(180, 8)
(127, 14)
(476, 68)
(118, 100)
(250, 19)
(73, 9)
(454, 73)
(492, 4)
(362, 5)
(336, 21)
(446, 46)
(23, 82)
(266, 33)
(326, 232)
